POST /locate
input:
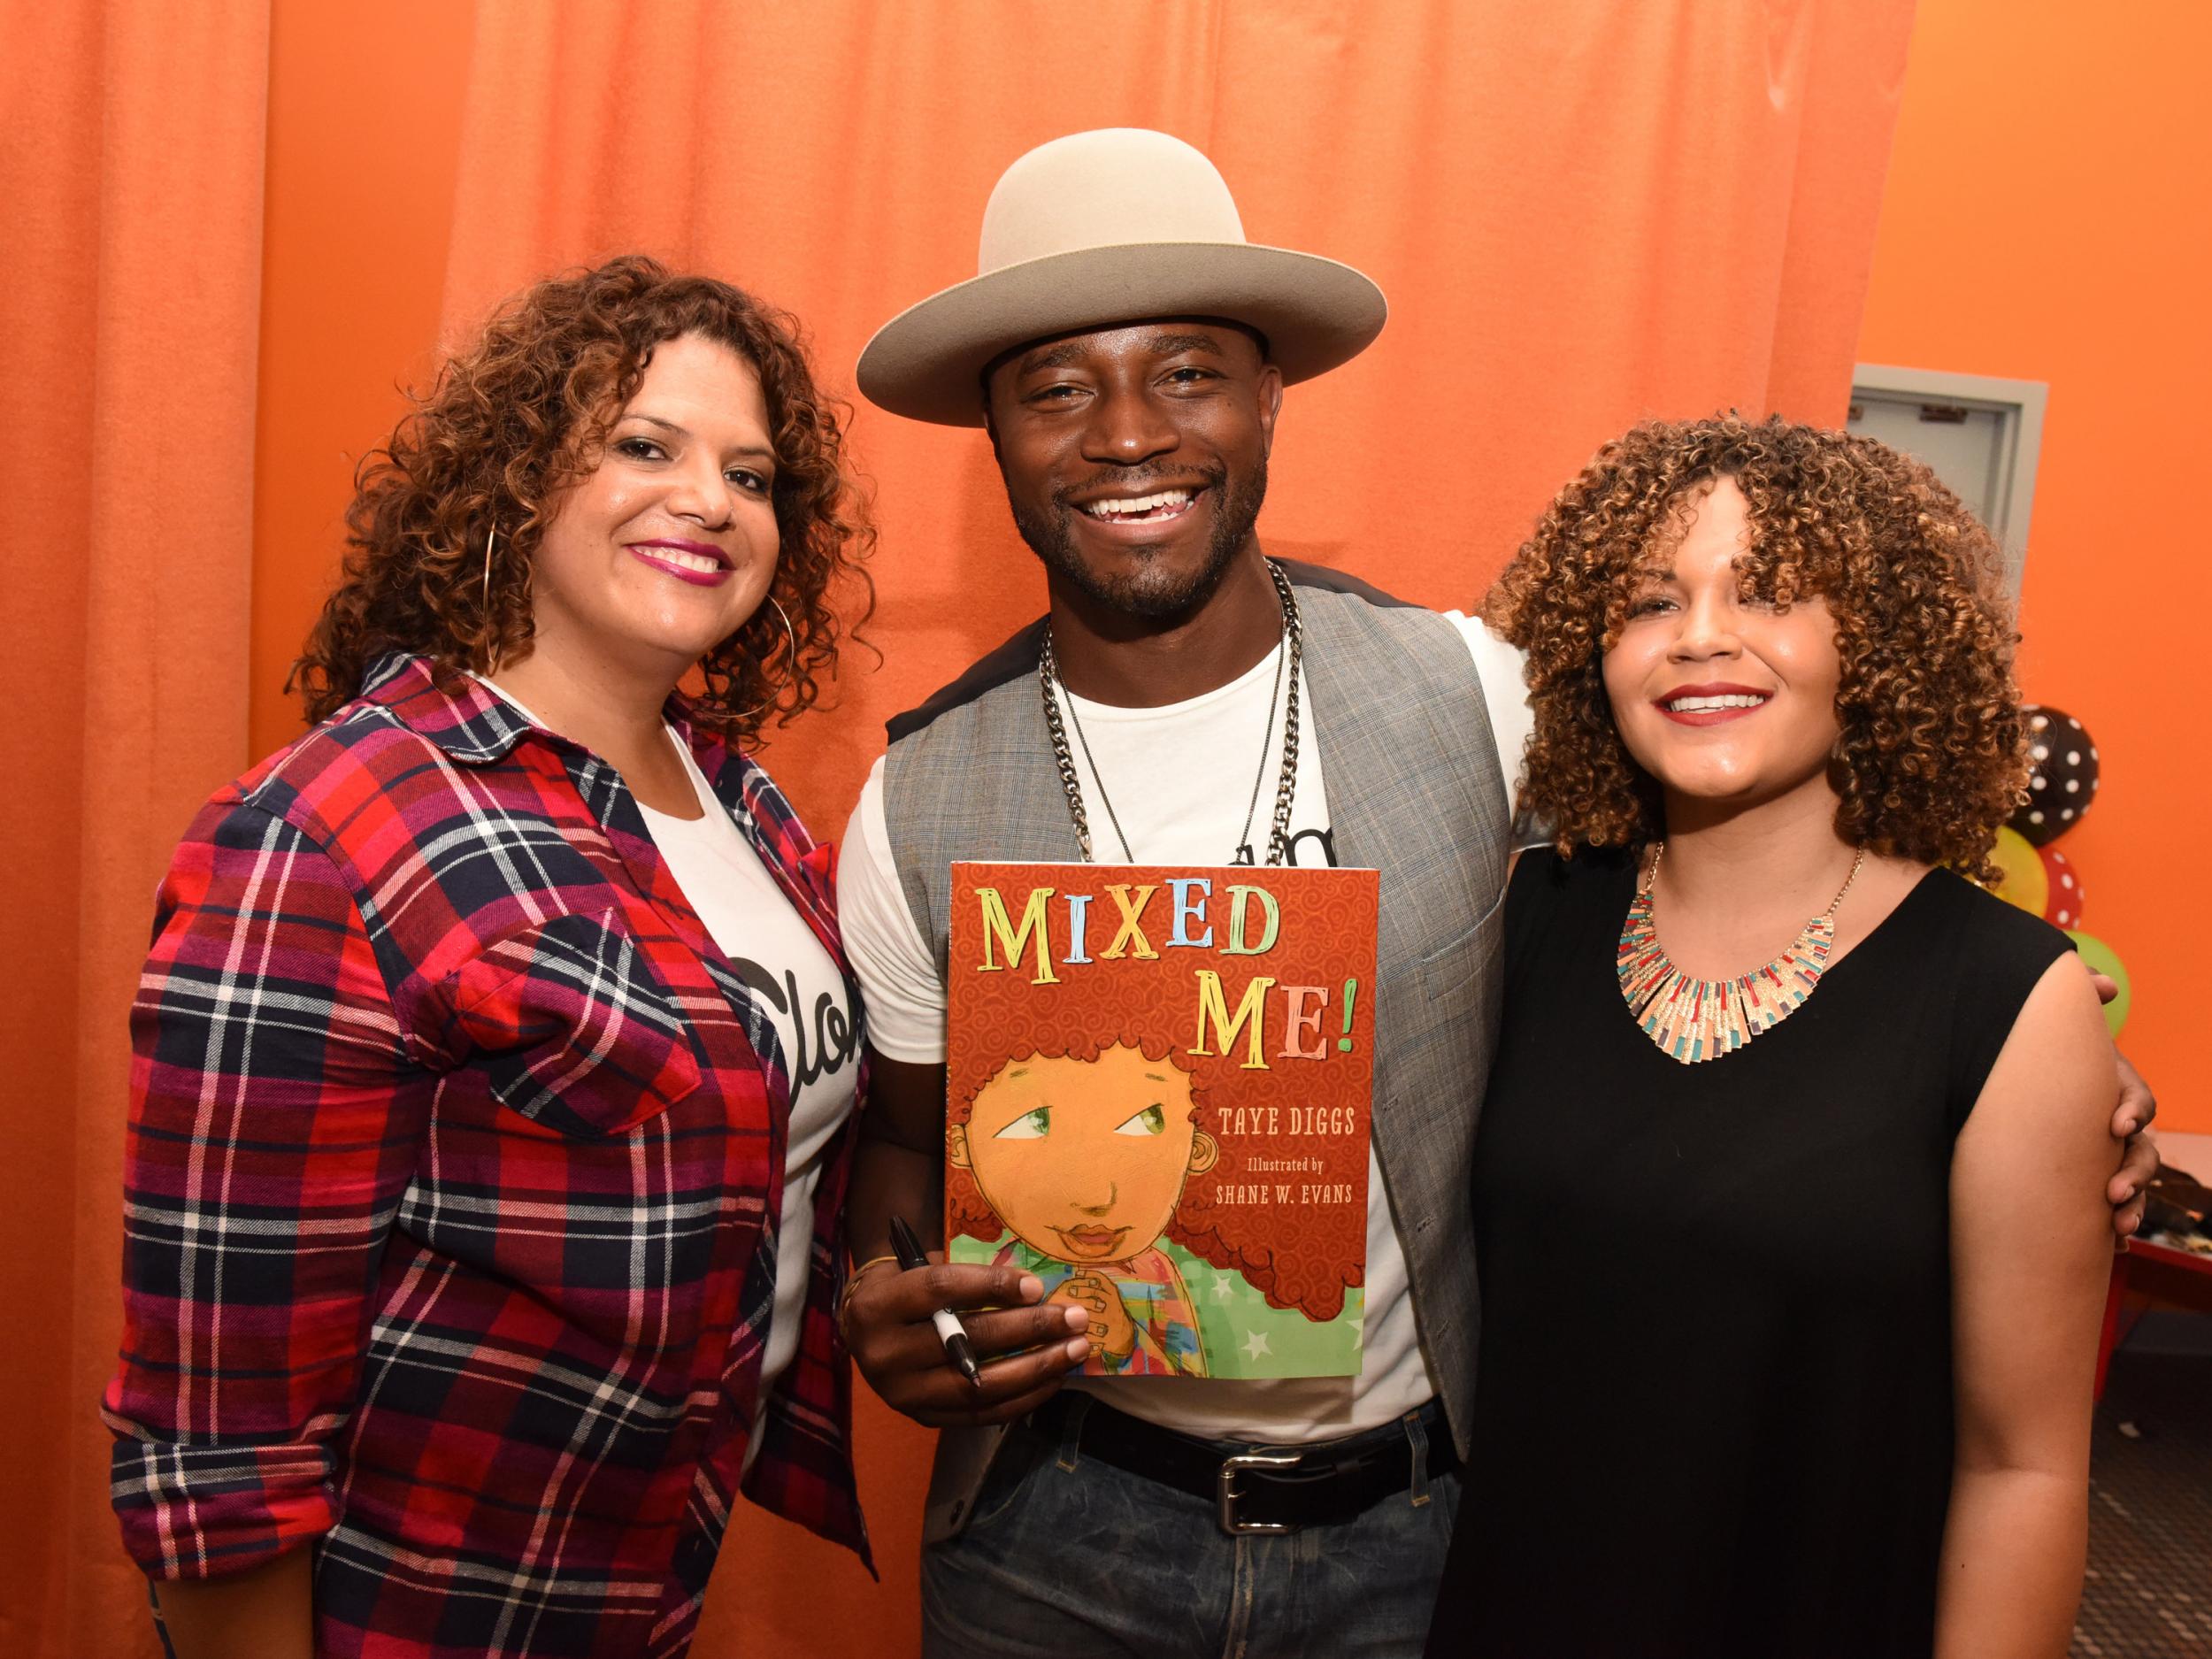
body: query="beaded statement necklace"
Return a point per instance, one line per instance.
(1702, 1019)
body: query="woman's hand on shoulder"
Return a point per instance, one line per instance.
(2129, 1190)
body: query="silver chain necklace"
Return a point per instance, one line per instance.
(1288, 655)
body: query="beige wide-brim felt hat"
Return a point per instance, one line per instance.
(1105, 227)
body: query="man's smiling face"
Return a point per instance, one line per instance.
(1135, 457)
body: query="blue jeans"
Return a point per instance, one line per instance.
(1069, 1556)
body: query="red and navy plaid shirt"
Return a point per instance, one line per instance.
(453, 1179)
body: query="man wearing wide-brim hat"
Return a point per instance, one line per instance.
(1186, 701)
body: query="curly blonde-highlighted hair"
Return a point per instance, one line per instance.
(1931, 761)
(522, 414)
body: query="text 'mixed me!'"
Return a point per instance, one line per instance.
(1250, 929)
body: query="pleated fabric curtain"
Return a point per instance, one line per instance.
(1584, 213)
(131, 173)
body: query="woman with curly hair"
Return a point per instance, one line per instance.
(496, 1050)
(1787, 1190)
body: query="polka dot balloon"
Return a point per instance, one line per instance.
(2062, 776)
(2062, 889)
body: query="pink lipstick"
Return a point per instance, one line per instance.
(690, 563)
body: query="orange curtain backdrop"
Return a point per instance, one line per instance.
(1583, 212)
(129, 300)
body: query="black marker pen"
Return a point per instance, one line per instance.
(957, 1349)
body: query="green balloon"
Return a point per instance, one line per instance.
(2104, 960)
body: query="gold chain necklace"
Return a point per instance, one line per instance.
(1701, 1019)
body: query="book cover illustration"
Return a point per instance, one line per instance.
(1159, 1092)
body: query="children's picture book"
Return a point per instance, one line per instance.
(1158, 1097)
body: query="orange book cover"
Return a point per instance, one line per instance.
(1158, 1095)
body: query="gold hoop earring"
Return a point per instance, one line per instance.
(490, 537)
(791, 634)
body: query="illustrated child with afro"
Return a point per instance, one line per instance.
(1084, 1161)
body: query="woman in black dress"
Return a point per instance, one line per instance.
(1792, 1243)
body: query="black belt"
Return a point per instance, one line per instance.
(1261, 1488)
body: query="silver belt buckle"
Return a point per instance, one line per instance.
(1227, 1494)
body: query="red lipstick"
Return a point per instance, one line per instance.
(683, 571)
(1731, 709)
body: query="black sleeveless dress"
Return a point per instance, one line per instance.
(1713, 1412)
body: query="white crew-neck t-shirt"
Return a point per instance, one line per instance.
(797, 985)
(1179, 780)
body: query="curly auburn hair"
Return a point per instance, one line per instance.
(522, 414)
(1931, 761)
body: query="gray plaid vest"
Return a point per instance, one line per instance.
(1414, 791)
